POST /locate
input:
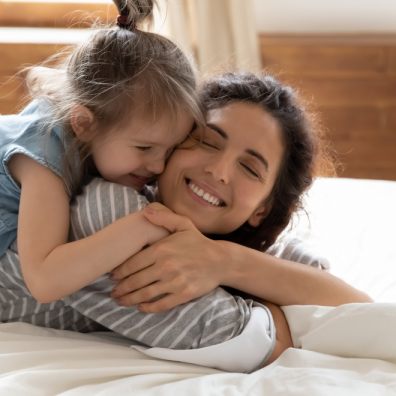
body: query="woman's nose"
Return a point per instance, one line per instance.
(220, 169)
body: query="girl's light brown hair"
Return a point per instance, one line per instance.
(112, 73)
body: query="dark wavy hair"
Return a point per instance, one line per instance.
(301, 140)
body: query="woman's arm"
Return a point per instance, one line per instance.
(53, 268)
(283, 282)
(283, 336)
(187, 265)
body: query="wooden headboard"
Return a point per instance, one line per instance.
(351, 80)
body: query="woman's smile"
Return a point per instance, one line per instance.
(201, 194)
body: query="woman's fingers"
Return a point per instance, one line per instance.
(136, 281)
(144, 295)
(133, 265)
(175, 270)
(158, 297)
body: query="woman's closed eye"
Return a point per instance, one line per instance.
(206, 138)
(210, 144)
(251, 171)
(143, 148)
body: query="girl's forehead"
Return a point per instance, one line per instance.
(164, 130)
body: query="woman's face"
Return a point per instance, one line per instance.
(221, 176)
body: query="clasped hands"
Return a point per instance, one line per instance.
(177, 269)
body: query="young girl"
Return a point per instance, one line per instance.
(115, 108)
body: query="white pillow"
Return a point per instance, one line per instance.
(352, 223)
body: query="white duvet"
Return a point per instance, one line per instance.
(347, 350)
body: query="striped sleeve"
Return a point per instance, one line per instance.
(100, 204)
(294, 249)
(208, 320)
(18, 305)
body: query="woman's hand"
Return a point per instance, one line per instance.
(172, 271)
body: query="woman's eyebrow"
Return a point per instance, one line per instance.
(257, 155)
(251, 152)
(217, 129)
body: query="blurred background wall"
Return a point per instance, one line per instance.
(340, 54)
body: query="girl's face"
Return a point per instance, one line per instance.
(134, 153)
(221, 176)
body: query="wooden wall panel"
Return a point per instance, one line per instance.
(35, 48)
(55, 14)
(351, 81)
(17, 56)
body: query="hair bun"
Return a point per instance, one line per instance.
(133, 12)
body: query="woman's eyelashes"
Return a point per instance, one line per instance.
(143, 148)
(211, 141)
(209, 144)
(204, 139)
(251, 171)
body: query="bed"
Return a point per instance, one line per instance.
(347, 350)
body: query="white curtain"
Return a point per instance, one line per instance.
(221, 34)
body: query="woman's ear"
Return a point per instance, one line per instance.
(258, 215)
(82, 121)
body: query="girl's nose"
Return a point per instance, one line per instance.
(156, 166)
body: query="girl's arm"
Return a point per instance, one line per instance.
(187, 265)
(53, 268)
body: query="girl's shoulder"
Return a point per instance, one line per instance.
(29, 133)
(33, 115)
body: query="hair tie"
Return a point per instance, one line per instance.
(122, 21)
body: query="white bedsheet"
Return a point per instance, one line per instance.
(347, 350)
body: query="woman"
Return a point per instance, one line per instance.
(187, 264)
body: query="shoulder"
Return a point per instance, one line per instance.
(294, 249)
(25, 133)
(100, 204)
(110, 197)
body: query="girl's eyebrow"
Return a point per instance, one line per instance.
(251, 152)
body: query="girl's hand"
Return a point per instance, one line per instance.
(172, 271)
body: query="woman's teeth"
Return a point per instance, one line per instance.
(204, 195)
